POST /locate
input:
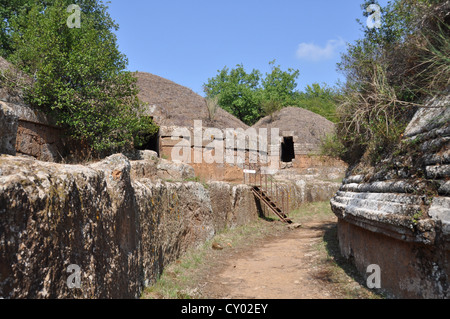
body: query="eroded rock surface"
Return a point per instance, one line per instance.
(8, 130)
(120, 231)
(397, 214)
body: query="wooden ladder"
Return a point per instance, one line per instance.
(261, 194)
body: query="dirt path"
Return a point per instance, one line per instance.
(293, 265)
(267, 260)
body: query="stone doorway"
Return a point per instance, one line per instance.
(287, 149)
(152, 144)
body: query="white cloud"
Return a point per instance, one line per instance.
(313, 52)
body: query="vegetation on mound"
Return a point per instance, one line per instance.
(389, 73)
(250, 96)
(172, 104)
(79, 73)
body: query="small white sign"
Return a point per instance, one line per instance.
(249, 171)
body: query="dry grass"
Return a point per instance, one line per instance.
(174, 104)
(212, 104)
(13, 82)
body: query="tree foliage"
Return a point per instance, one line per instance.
(320, 99)
(9, 9)
(250, 96)
(389, 71)
(238, 92)
(279, 85)
(79, 73)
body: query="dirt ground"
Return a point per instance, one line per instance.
(268, 260)
(291, 265)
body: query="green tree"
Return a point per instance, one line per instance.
(249, 96)
(238, 92)
(280, 85)
(9, 9)
(320, 99)
(79, 73)
(388, 72)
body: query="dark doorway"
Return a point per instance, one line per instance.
(152, 143)
(287, 149)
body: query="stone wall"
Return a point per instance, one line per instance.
(120, 220)
(29, 132)
(397, 214)
(37, 136)
(181, 142)
(8, 129)
(116, 219)
(196, 152)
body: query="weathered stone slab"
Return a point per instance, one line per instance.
(390, 209)
(8, 129)
(115, 220)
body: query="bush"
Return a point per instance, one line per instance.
(249, 96)
(269, 107)
(79, 74)
(319, 99)
(331, 146)
(389, 72)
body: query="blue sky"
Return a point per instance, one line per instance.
(188, 41)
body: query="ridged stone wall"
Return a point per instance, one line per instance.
(397, 214)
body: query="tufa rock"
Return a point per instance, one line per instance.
(397, 214)
(8, 130)
(120, 230)
(294, 226)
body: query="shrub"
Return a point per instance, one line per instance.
(269, 107)
(331, 146)
(79, 74)
(389, 72)
(212, 104)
